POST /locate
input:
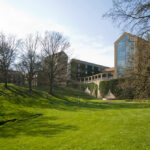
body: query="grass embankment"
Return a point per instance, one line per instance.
(44, 122)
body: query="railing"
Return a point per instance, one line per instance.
(98, 77)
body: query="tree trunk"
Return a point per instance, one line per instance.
(51, 90)
(30, 85)
(5, 79)
(51, 85)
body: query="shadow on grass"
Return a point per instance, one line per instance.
(68, 105)
(65, 99)
(69, 92)
(41, 126)
(24, 92)
(13, 120)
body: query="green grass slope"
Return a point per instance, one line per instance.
(70, 120)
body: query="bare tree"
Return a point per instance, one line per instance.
(29, 60)
(55, 60)
(133, 14)
(8, 48)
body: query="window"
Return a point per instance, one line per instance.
(78, 65)
(125, 49)
(86, 66)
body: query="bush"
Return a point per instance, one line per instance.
(116, 87)
(82, 86)
(104, 88)
(73, 84)
(113, 86)
(91, 86)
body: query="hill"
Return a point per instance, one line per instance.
(70, 120)
(15, 99)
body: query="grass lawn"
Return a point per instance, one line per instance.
(66, 122)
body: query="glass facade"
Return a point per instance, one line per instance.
(125, 51)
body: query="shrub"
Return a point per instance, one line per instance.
(104, 88)
(113, 86)
(91, 86)
(73, 84)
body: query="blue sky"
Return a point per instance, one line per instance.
(81, 21)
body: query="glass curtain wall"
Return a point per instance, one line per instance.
(125, 52)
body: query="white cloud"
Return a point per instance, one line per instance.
(20, 23)
(93, 49)
(87, 48)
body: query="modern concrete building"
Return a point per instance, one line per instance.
(128, 52)
(107, 74)
(60, 66)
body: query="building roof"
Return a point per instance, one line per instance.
(130, 35)
(88, 63)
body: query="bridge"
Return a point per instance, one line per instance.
(97, 78)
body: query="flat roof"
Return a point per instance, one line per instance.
(110, 69)
(88, 63)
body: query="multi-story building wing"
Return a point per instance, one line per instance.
(128, 50)
(79, 69)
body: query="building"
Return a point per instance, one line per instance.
(60, 67)
(79, 69)
(107, 74)
(128, 52)
(14, 77)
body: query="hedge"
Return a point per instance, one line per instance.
(114, 86)
(91, 86)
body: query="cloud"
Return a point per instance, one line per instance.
(21, 23)
(86, 48)
(93, 49)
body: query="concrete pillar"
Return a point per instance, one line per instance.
(97, 77)
(92, 77)
(107, 76)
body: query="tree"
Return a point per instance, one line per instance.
(55, 59)
(8, 49)
(134, 14)
(29, 60)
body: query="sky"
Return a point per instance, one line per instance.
(91, 36)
